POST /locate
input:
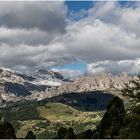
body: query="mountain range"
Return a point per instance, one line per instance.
(43, 84)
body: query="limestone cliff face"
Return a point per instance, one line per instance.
(16, 86)
(95, 82)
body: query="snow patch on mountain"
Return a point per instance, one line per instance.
(17, 85)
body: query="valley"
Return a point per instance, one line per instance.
(45, 101)
(45, 117)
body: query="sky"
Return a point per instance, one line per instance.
(72, 37)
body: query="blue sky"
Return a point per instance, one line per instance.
(78, 5)
(74, 66)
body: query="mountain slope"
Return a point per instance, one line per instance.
(95, 82)
(43, 84)
(16, 85)
(44, 119)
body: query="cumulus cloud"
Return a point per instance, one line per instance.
(24, 36)
(33, 57)
(127, 17)
(115, 67)
(98, 41)
(39, 34)
(48, 16)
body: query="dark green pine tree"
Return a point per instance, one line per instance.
(112, 120)
(30, 135)
(131, 123)
(7, 131)
(132, 89)
(69, 134)
(85, 135)
(61, 132)
(64, 133)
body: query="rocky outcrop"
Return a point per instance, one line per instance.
(2, 100)
(16, 85)
(103, 81)
(49, 75)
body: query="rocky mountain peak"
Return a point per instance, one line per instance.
(91, 82)
(49, 74)
(17, 85)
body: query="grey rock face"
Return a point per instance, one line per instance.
(49, 75)
(16, 86)
(95, 82)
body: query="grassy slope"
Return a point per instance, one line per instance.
(60, 112)
(59, 115)
(44, 118)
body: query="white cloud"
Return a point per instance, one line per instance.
(38, 34)
(98, 41)
(24, 36)
(115, 67)
(128, 18)
(69, 72)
